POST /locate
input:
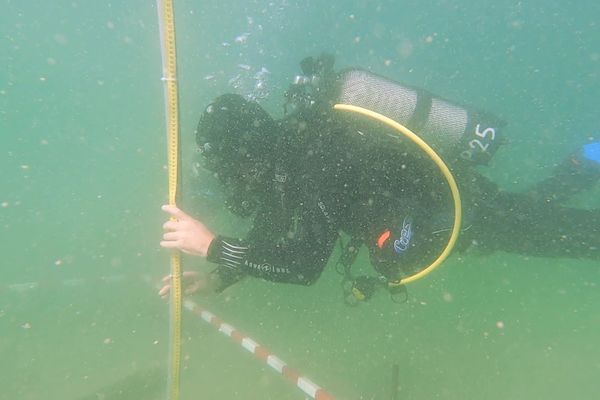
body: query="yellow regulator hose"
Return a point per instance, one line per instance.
(443, 168)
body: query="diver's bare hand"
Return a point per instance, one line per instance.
(185, 233)
(191, 282)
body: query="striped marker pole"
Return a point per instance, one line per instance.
(306, 385)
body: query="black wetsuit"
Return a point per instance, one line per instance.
(328, 177)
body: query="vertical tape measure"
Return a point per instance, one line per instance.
(169, 62)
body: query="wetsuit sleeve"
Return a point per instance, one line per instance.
(227, 253)
(293, 250)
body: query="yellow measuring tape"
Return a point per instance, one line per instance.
(169, 62)
(443, 168)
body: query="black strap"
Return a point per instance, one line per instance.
(420, 116)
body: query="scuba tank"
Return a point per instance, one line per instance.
(456, 132)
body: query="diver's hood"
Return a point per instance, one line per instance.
(234, 132)
(237, 139)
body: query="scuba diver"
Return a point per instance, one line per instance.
(318, 177)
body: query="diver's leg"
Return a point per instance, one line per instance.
(574, 175)
(517, 223)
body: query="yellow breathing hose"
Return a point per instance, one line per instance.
(443, 168)
(169, 63)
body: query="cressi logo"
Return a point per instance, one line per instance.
(401, 244)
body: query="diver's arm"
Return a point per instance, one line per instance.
(270, 252)
(277, 256)
(276, 263)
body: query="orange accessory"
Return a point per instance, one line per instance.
(383, 237)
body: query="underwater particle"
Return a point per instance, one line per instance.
(500, 325)
(58, 262)
(60, 38)
(235, 81)
(24, 167)
(357, 39)
(245, 67)
(51, 61)
(242, 39)
(196, 169)
(43, 142)
(108, 341)
(262, 73)
(116, 262)
(517, 24)
(447, 297)
(5, 204)
(155, 342)
(405, 48)
(110, 25)
(26, 325)
(387, 62)
(429, 39)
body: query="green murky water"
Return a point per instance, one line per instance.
(82, 177)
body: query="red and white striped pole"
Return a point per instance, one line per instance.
(303, 383)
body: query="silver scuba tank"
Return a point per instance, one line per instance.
(455, 132)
